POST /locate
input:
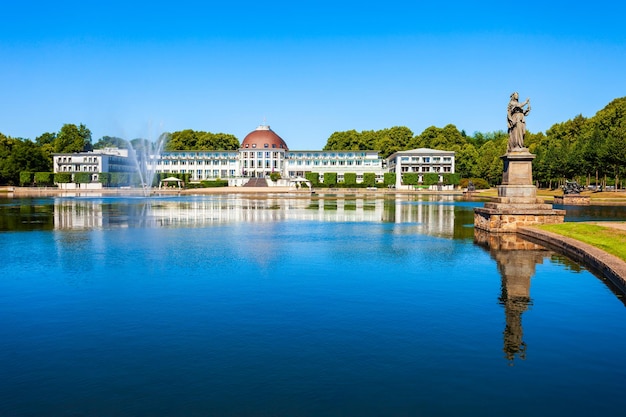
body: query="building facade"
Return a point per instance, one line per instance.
(263, 152)
(94, 162)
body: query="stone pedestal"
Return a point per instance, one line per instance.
(572, 200)
(517, 203)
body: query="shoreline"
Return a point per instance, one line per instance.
(137, 192)
(603, 263)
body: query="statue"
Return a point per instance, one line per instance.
(515, 118)
(572, 187)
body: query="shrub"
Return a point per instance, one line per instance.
(410, 178)
(479, 183)
(275, 176)
(349, 179)
(430, 178)
(314, 177)
(26, 178)
(119, 179)
(82, 177)
(104, 178)
(62, 177)
(330, 179)
(44, 178)
(389, 178)
(369, 179)
(451, 179)
(215, 183)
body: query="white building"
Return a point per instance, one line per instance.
(262, 153)
(94, 162)
(421, 161)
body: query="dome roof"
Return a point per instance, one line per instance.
(263, 138)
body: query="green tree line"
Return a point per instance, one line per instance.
(591, 150)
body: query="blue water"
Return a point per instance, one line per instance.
(235, 306)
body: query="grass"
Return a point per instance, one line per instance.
(608, 239)
(548, 195)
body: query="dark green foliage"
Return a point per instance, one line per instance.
(17, 155)
(451, 179)
(73, 138)
(82, 177)
(430, 178)
(119, 179)
(44, 178)
(369, 179)
(111, 142)
(26, 178)
(275, 176)
(208, 184)
(191, 140)
(313, 177)
(330, 179)
(215, 183)
(389, 178)
(387, 141)
(410, 178)
(479, 183)
(104, 178)
(62, 177)
(349, 178)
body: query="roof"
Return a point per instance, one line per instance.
(263, 138)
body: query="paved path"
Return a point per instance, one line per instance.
(604, 263)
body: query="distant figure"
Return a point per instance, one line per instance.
(517, 124)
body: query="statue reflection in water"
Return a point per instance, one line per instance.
(516, 259)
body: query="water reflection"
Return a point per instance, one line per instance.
(516, 259)
(432, 215)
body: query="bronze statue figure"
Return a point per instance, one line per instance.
(516, 122)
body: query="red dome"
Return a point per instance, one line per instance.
(263, 138)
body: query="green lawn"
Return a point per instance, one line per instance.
(609, 239)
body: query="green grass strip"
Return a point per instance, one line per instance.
(608, 239)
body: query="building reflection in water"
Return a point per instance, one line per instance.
(430, 216)
(516, 259)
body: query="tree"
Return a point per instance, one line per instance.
(46, 142)
(489, 165)
(72, 138)
(111, 142)
(189, 139)
(17, 155)
(465, 160)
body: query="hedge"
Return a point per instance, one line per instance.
(369, 179)
(82, 177)
(62, 177)
(330, 179)
(389, 178)
(44, 178)
(430, 178)
(26, 178)
(410, 178)
(349, 178)
(314, 177)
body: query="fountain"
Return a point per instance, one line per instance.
(145, 154)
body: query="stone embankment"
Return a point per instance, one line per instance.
(604, 263)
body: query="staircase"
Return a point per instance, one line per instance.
(256, 182)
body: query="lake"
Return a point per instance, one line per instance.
(278, 305)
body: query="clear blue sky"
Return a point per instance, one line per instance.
(309, 68)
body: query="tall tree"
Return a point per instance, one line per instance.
(72, 138)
